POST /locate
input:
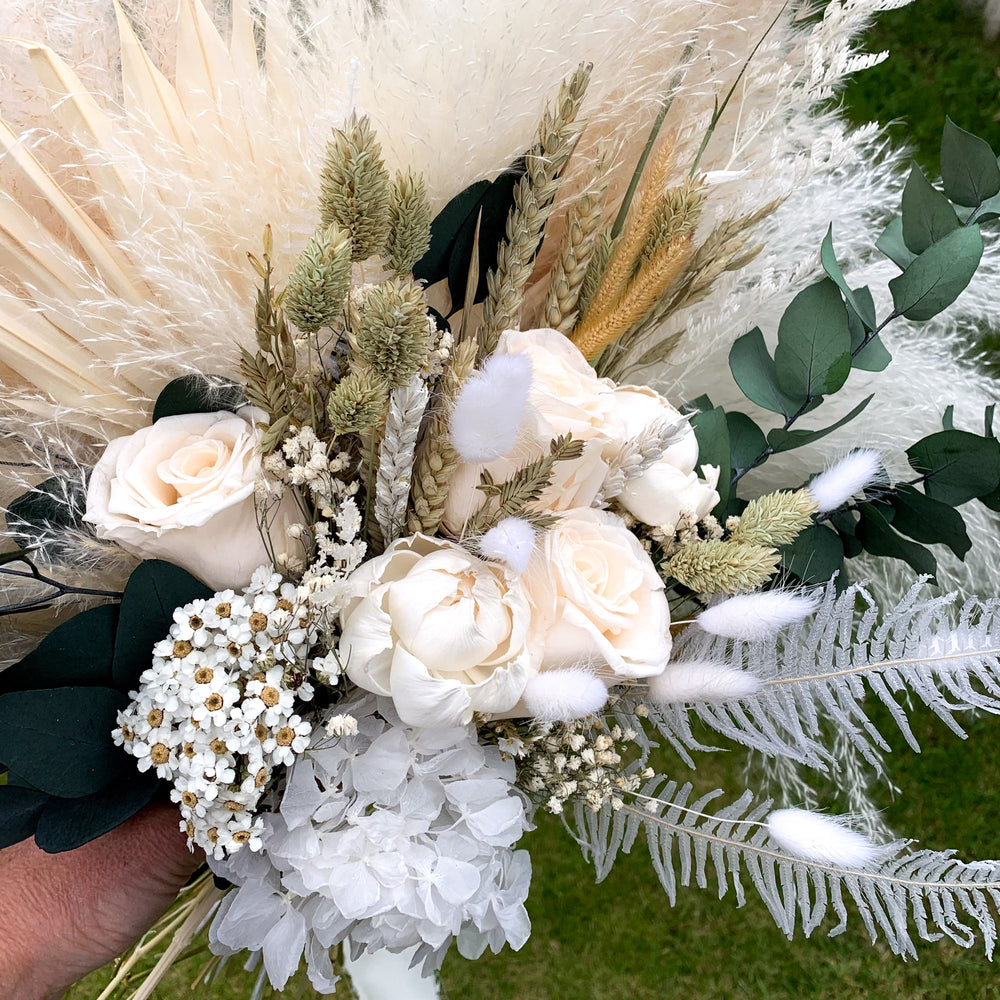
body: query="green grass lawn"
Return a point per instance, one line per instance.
(621, 940)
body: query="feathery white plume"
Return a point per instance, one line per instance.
(489, 408)
(752, 617)
(565, 694)
(850, 475)
(701, 680)
(825, 839)
(510, 542)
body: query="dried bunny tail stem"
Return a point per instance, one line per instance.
(577, 251)
(598, 330)
(629, 245)
(533, 198)
(437, 459)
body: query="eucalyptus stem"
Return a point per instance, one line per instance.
(61, 589)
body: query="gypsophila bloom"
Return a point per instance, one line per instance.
(220, 707)
(400, 837)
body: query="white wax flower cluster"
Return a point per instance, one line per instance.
(217, 711)
(396, 836)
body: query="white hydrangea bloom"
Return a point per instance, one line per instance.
(397, 836)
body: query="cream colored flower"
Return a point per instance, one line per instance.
(438, 630)
(182, 490)
(566, 397)
(596, 598)
(670, 485)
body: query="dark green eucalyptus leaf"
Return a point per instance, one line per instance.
(19, 812)
(199, 394)
(782, 440)
(948, 418)
(988, 419)
(433, 266)
(878, 538)
(927, 214)
(815, 554)
(845, 523)
(988, 211)
(939, 275)
(969, 169)
(874, 356)
(697, 404)
(491, 218)
(76, 653)
(65, 824)
(957, 466)
(746, 441)
(756, 375)
(58, 502)
(860, 305)
(813, 356)
(927, 520)
(712, 432)
(59, 739)
(153, 592)
(892, 245)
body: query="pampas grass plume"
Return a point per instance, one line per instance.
(511, 542)
(701, 680)
(850, 475)
(488, 411)
(565, 694)
(752, 617)
(825, 839)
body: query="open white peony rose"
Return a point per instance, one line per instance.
(671, 485)
(182, 490)
(566, 397)
(597, 599)
(440, 631)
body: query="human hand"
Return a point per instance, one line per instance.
(64, 915)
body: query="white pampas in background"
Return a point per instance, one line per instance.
(752, 617)
(701, 681)
(825, 839)
(853, 473)
(488, 411)
(511, 542)
(564, 694)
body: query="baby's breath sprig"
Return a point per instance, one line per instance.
(534, 194)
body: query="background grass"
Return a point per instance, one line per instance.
(621, 940)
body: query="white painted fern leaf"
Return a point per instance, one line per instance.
(945, 896)
(820, 673)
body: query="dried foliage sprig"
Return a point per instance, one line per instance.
(392, 486)
(558, 132)
(775, 519)
(355, 190)
(437, 459)
(638, 453)
(409, 223)
(580, 242)
(716, 567)
(514, 496)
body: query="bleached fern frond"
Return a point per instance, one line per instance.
(945, 896)
(395, 468)
(945, 654)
